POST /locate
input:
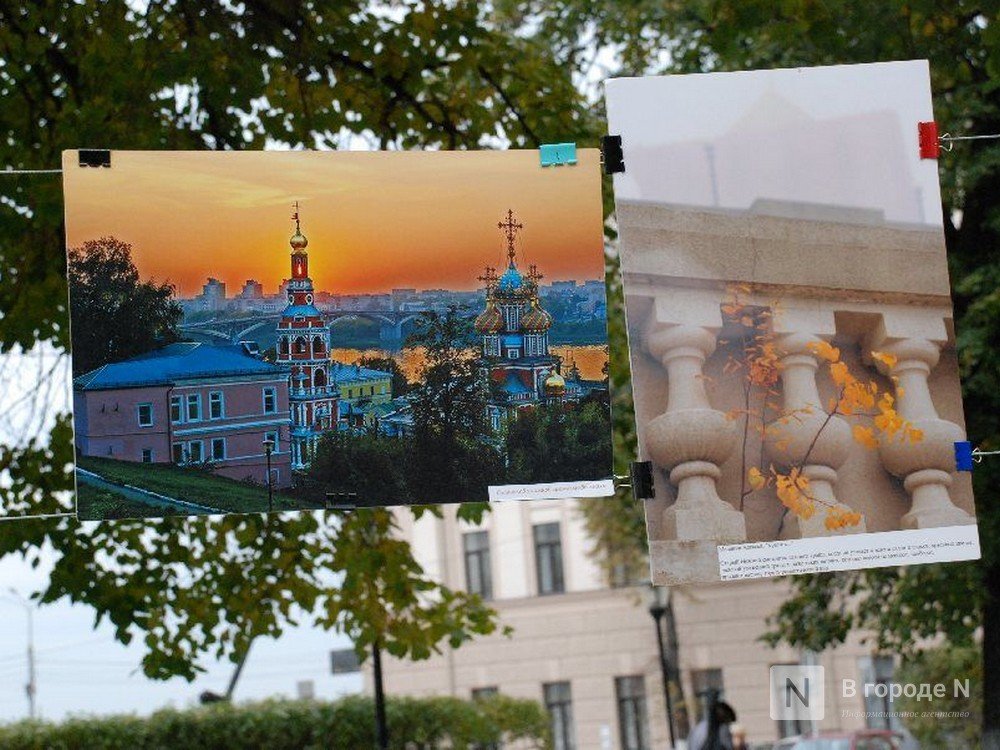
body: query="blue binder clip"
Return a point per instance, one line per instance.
(555, 154)
(963, 456)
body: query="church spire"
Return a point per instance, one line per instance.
(298, 242)
(510, 229)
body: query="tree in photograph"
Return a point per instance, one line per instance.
(568, 441)
(115, 314)
(368, 463)
(454, 458)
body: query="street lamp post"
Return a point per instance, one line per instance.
(268, 447)
(381, 727)
(659, 607)
(30, 688)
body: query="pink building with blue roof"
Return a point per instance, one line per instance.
(188, 403)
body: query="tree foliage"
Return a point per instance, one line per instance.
(192, 75)
(125, 316)
(956, 721)
(960, 41)
(454, 458)
(566, 441)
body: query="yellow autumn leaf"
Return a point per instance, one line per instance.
(825, 350)
(864, 435)
(889, 360)
(839, 373)
(756, 479)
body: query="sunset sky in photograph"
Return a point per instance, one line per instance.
(374, 220)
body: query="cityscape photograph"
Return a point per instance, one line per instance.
(201, 371)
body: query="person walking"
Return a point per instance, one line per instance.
(712, 732)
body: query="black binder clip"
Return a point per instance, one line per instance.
(613, 157)
(94, 157)
(641, 475)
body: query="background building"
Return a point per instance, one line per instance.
(588, 651)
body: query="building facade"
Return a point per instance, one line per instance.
(588, 652)
(303, 350)
(188, 403)
(359, 391)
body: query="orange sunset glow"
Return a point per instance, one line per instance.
(375, 220)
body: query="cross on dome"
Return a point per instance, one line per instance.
(510, 229)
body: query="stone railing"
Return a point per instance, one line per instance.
(840, 277)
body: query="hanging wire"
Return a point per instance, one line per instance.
(9, 170)
(948, 140)
(37, 517)
(977, 455)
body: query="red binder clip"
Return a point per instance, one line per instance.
(930, 146)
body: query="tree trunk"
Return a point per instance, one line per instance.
(991, 660)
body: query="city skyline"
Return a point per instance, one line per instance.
(234, 292)
(190, 216)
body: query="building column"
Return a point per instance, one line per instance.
(691, 439)
(811, 438)
(924, 466)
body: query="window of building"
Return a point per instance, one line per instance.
(147, 455)
(196, 452)
(194, 407)
(548, 558)
(702, 681)
(270, 400)
(876, 670)
(633, 724)
(218, 449)
(145, 414)
(559, 704)
(177, 452)
(478, 575)
(216, 406)
(273, 437)
(484, 692)
(176, 409)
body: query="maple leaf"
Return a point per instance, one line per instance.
(864, 435)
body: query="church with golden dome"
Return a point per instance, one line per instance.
(515, 337)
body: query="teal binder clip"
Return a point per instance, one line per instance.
(555, 154)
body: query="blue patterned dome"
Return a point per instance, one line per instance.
(511, 280)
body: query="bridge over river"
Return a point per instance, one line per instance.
(235, 329)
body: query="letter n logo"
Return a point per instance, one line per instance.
(797, 692)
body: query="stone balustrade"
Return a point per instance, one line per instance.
(926, 465)
(691, 439)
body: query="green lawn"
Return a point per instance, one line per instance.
(191, 484)
(95, 502)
